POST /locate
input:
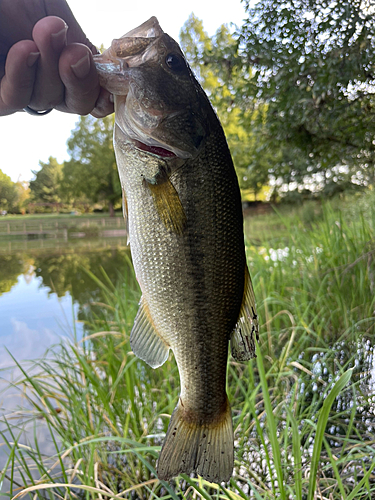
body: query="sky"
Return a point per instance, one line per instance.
(25, 140)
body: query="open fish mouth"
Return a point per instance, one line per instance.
(155, 150)
(143, 128)
(117, 76)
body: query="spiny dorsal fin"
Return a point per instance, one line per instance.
(242, 338)
(168, 205)
(145, 341)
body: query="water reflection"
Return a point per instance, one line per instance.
(39, 283)
(45, 287)
(44, 295)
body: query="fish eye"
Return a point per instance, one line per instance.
(175, 62)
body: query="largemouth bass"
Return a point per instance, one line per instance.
(183, 209)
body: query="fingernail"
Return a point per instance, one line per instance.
(82, 67)
(111, 98)
(59, 39)
(32, 59)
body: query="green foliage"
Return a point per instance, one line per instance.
(8, 192)
(92, 170)
(313, 66)
(46, 187)
(23, 195)
(10, 268)
(303, 411)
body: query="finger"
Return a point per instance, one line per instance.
(16, 86)
(79, 75)
(104, 104)
(49, 35)
(61, 9)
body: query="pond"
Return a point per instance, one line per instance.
(44, 288)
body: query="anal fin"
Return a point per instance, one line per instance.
(242, 338)
(145, 341)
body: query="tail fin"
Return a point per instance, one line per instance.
(206, 449)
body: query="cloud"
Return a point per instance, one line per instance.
(25, 343)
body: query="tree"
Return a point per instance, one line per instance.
(220, 70)
(11, 266)
(8, 193)
(314, 68)
(92, 170)
(46, 187)
(23, 195)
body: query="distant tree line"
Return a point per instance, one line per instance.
(13, 195)
(90, 176)
(294, 88)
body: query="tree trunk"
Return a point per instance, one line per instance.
(111, 210)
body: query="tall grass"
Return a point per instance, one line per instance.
(303, 411)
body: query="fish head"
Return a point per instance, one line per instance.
(160, 107)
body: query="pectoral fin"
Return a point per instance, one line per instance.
(242, 338)
(125, 212)
(145, 341)
(168, 205)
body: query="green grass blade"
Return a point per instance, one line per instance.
(272, 428)
(361, 483)
(296, 447)
(320, 429)
(193, 484)
(335, 468)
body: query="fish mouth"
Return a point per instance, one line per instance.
(155, 150)
(141, 130)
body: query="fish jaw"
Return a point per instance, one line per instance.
(130, 50)
(112, 75)
(149, 29)
(140, 128)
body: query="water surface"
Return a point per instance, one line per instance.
(44, 289)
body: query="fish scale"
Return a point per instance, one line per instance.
(184, 216)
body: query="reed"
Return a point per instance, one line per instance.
(302, 411)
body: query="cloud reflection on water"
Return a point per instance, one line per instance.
(25, 342)
(28, 344)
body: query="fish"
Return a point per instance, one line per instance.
(182, 207)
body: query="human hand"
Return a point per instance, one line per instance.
(46, 60)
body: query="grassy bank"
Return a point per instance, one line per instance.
(19, 232)
(54, 216)
(303, 411)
